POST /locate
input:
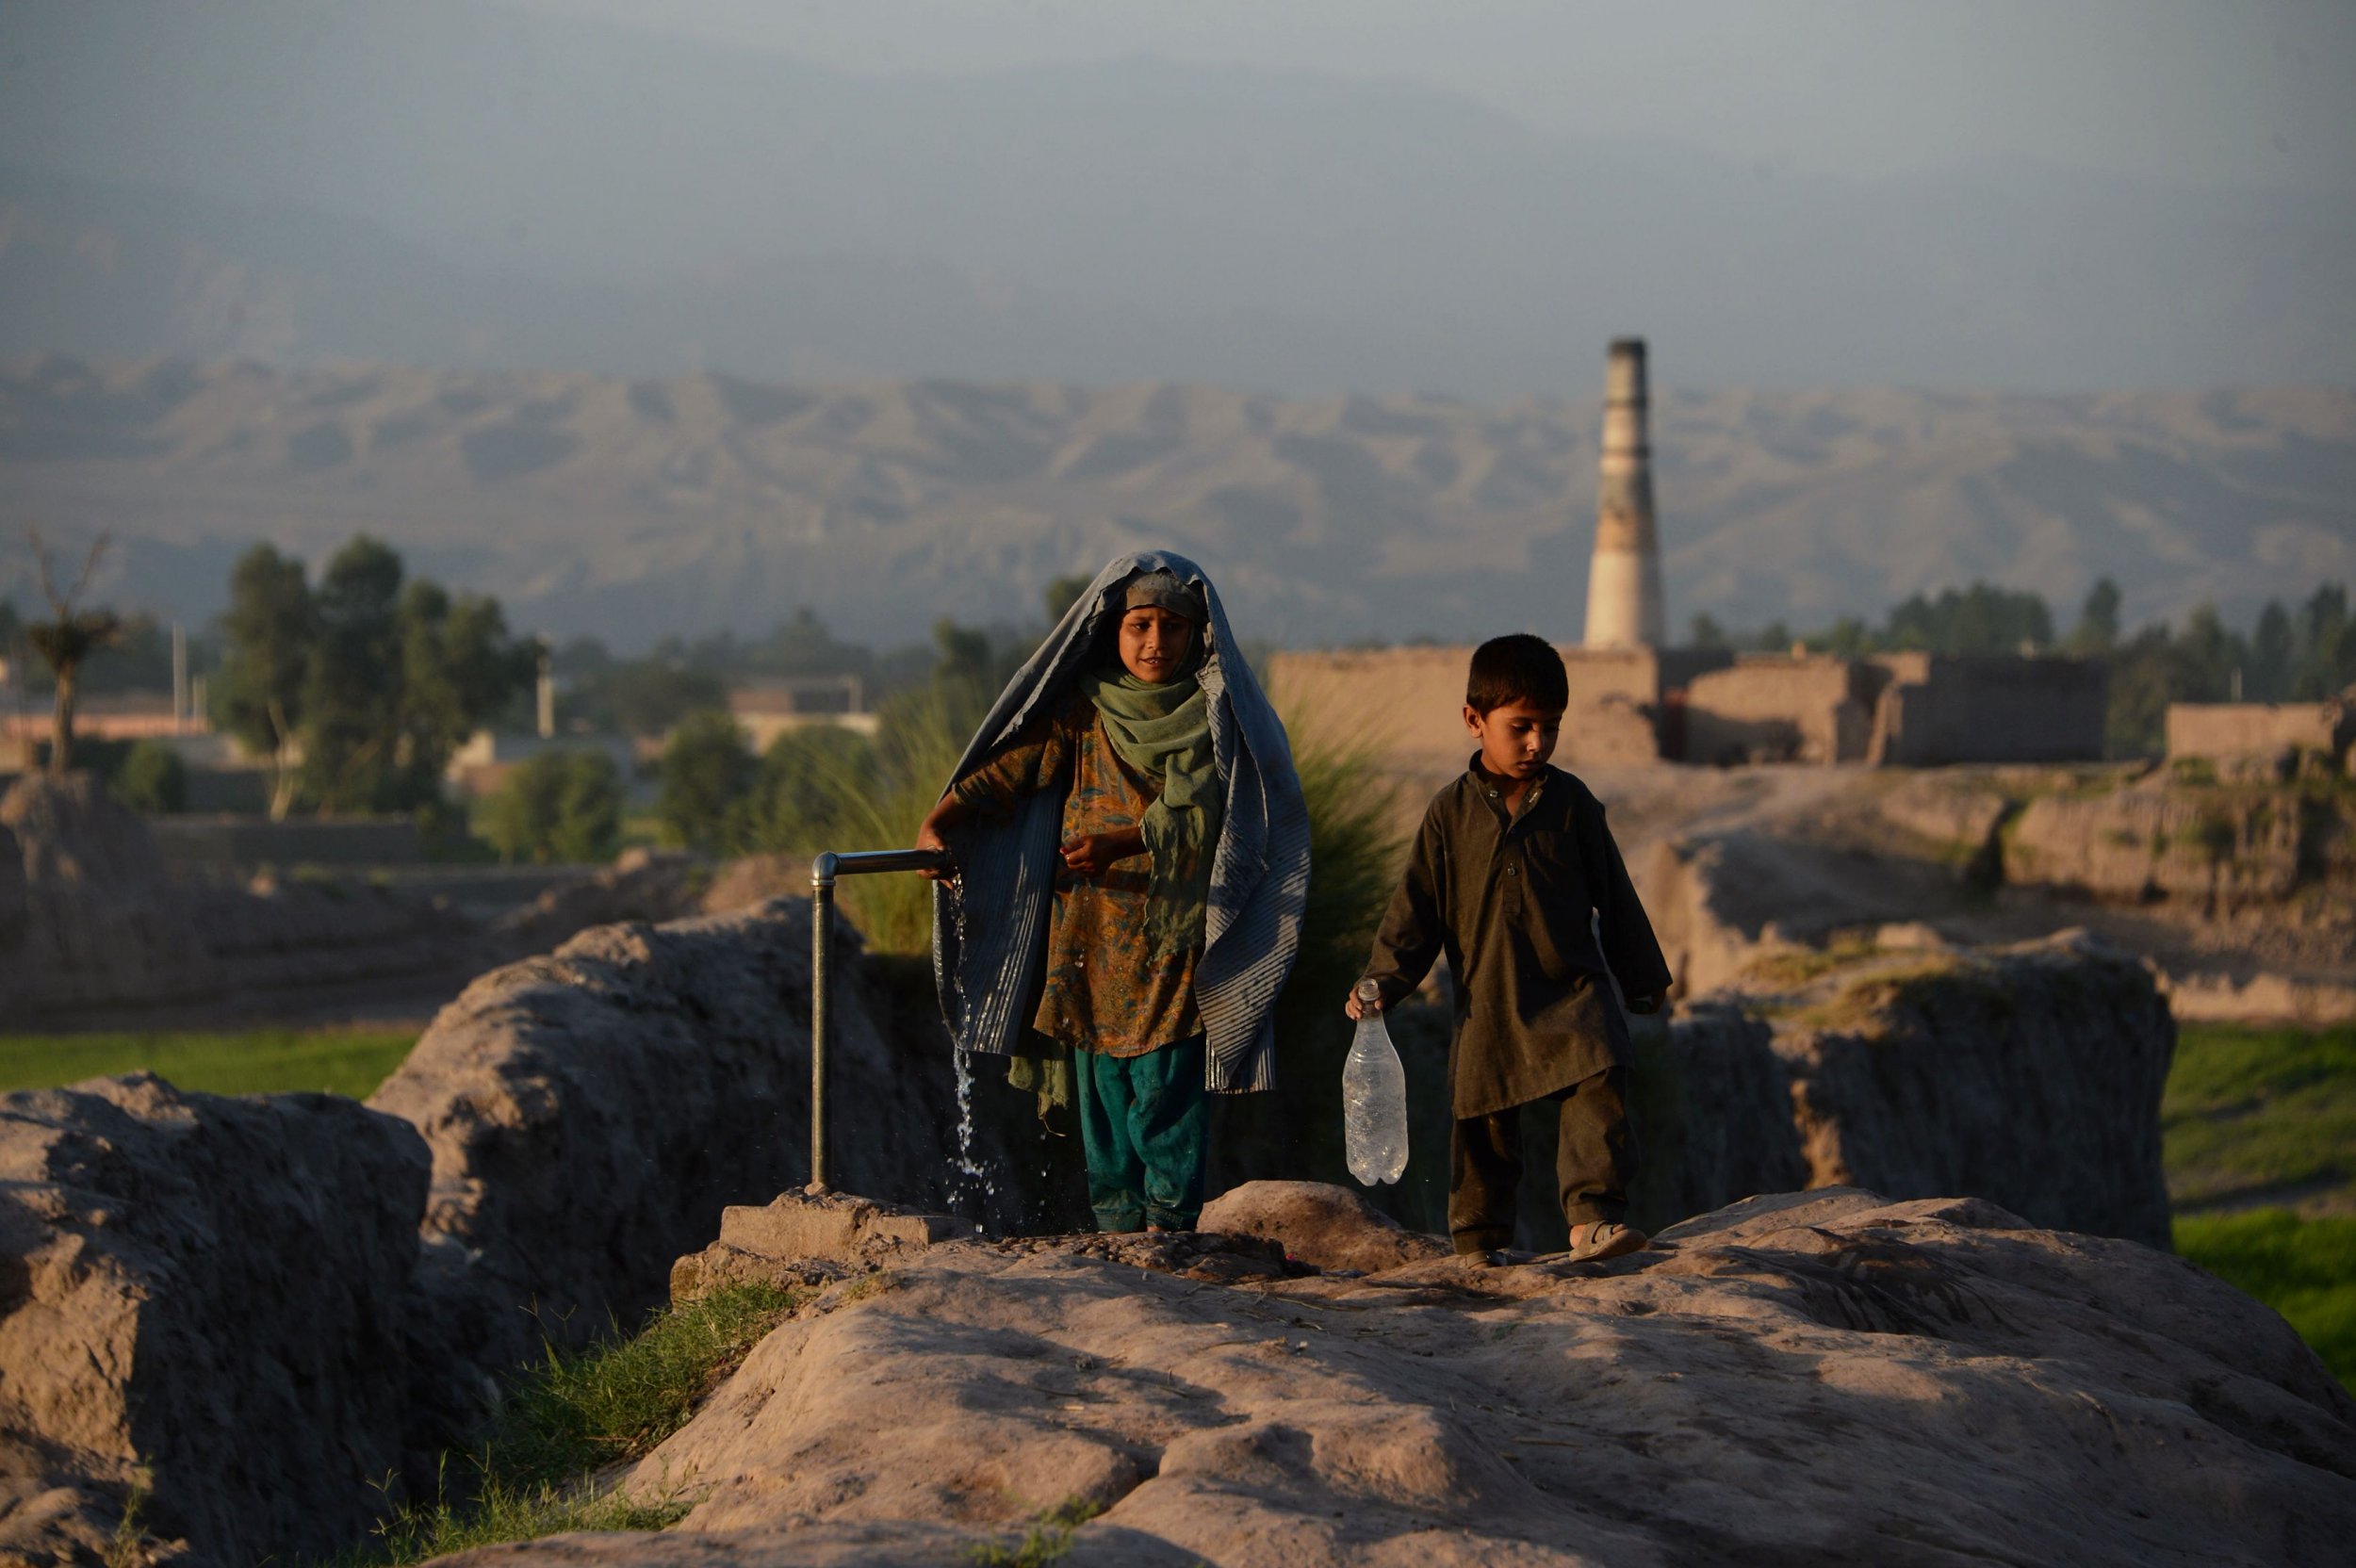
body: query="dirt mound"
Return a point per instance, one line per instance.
(1330, 1227)
(1824, 1378)
(593, 1111)
(755, 879)
(96, 917)
(2028, 1075)
(641, 884)
(91, 920)
(203, 1298)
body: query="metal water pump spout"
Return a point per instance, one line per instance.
(823, 871)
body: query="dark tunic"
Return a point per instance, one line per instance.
(1517, 907)
(1110, 986)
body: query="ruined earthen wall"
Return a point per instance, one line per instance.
(228, 840)
(1404, 704)
(2217, 730)
(1407, 704)
(1771, 708)
(1988, 708)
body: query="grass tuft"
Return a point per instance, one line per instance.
(1793, 967)
(578, 1411)
(501, 1512)
(1045, 1542)
(572, 1415)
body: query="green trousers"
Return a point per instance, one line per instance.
(1594, 1159)
(1145, 1126)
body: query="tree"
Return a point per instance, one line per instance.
(649, 696)
(1982, 618)
(707, 768)
(2273, 647)
(2098, 622)
(2327, 655)
(153, 779)
(557, 806)
(352, 695)
(396, 677)
(458, 667)
(1708, 633)
(2208, 654)
(804, 795)
(66, 639)
(801, 645)
(270, 629)
(1064, 592)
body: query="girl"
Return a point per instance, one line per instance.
(1132, 855)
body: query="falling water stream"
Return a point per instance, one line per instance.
(971, 1189)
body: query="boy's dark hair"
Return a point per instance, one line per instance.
(1517, 668)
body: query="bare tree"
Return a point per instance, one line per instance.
(69, 636)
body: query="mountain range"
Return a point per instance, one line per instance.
(630, 508)
(460, 183)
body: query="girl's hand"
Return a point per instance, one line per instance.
(1357, 1009)
(1093, 854)
(928, 837)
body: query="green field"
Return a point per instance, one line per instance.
(2261, 1116)
(2302, 1266)
(2259, 1129)
(252, 1061)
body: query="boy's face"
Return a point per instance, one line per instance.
(1517, 737)
(1154, 642)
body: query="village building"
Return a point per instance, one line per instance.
(1635, 701)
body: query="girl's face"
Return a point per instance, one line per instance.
(1154, 642)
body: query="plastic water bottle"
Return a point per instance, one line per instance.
(1374, 1098)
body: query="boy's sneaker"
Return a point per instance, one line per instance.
(1603, 1239)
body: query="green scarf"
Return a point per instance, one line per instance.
(1164, 731)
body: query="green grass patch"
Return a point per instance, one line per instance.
(1791, 968)
(499, 1513)
(574, 1415)
(250, 1061)
(2303, 1268)
(1871, 996)
(1045, 1542)
(2248, 1112)
(578, 1411)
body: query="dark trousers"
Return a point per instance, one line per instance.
(1595, 1158)
(1145, 1126)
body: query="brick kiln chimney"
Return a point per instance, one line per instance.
(1624, 607)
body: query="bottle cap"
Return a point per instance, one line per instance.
(1369, 991)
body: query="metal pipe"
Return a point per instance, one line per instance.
(823, 871)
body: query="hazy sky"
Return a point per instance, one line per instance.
(2200, 91)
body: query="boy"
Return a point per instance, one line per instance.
(1515, 878)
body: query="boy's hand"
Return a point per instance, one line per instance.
(1357, 1009)
(1093, 854)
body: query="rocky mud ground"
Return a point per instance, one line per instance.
(1817, 1378)
(2242, 896)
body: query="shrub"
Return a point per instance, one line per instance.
(707, 769)
(153, 779)
(560, 806)
(806, 793)
(1355, 852)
